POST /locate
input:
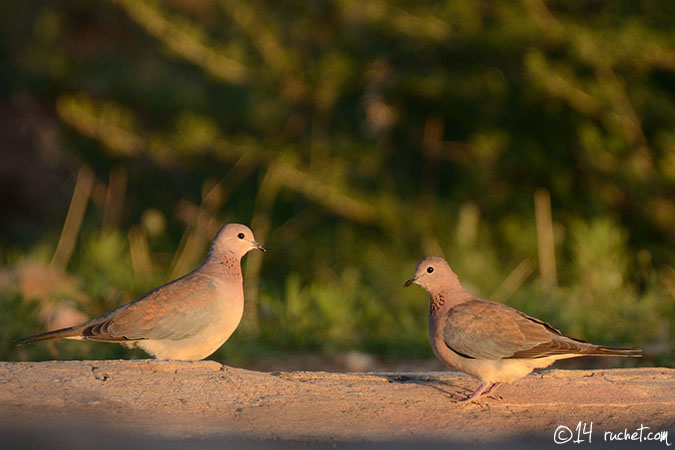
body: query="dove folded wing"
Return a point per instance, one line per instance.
(481, 329)
(170, 312)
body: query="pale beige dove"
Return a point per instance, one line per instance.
(186, 319)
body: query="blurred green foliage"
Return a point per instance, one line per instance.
(354, 137)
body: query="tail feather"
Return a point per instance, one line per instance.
(563, 345)
(615, 351)
(56, 334)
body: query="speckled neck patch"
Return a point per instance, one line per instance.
(437, 301)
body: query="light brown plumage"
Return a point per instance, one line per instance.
(188, 318)
(491, 341)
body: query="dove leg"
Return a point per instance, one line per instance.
(491, 391)
(478, 392)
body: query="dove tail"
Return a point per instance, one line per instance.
(56, 334)
(614, 351)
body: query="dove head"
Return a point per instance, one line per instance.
(234, 239)
(434, 275)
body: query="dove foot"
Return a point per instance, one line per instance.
(490, 392)
(485, 389)
(475, 396)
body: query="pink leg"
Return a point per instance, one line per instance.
(478, 392)
(491, 391)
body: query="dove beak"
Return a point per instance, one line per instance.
(258, 246)
(411, 281)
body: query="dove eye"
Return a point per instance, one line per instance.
(240, 235)
(430, 269)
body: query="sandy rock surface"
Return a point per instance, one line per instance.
(206, 401)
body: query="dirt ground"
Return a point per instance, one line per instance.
(66, 404)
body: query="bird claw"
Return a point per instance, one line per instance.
(475, 401)
(472, 399)
(485, 390)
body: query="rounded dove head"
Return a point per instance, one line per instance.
(433, 274)
(235, 238)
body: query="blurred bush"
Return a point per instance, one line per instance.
(530, 143)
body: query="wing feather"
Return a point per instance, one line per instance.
(482, 329)
(173, 311)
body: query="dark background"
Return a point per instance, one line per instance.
(532, 144)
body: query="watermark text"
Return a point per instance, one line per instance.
(583, 433)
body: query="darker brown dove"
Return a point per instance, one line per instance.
(491, 341)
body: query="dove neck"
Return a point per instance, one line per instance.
(442, 300)
(223, 264)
